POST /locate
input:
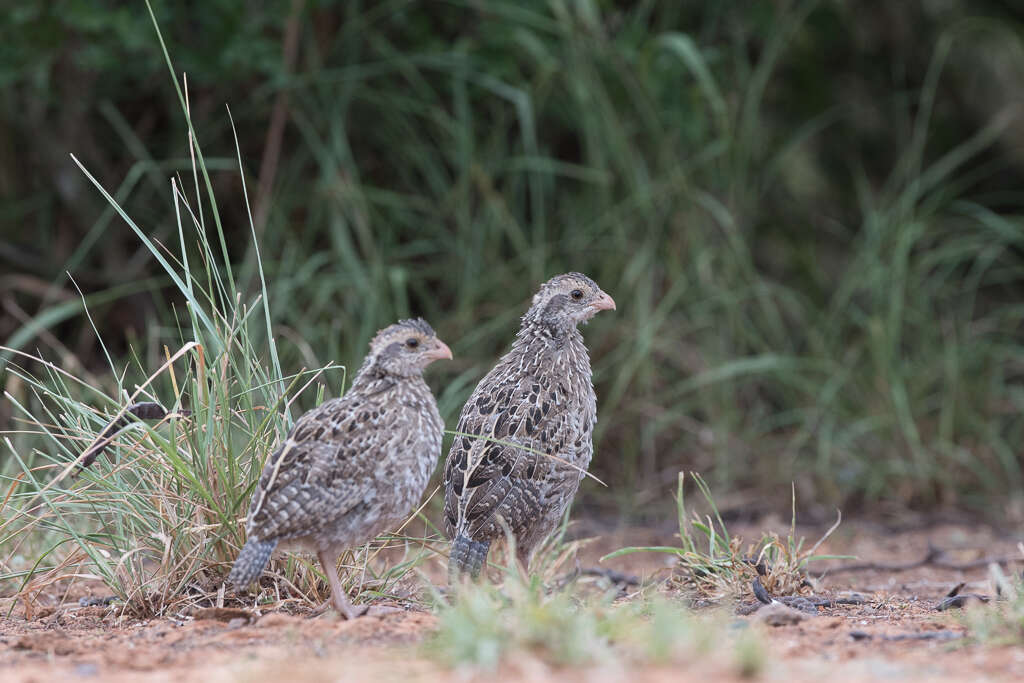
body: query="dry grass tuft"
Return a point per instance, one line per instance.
(714, 565)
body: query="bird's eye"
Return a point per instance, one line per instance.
(412, 342)
(576, 294)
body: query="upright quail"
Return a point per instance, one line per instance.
(354, 466)
(530, 423)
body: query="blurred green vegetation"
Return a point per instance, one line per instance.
(809, 213)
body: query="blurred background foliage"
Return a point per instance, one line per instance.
(809, 213)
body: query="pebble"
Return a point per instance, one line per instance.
(777, 614)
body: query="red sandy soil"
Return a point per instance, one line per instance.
(72, 643)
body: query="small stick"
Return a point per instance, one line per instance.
(146, 410)
(760, 592)
(927, 635)
(932, 559)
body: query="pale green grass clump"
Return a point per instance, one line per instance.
(520, 624)
(550, 618)
(1001, 621)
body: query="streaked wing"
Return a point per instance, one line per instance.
(315, 474)
(485, 478)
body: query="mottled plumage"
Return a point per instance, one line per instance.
(539, 396)
(353, 467)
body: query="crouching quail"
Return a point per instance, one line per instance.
(530, 423)
(354, 466)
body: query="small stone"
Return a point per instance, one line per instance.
(777, 614)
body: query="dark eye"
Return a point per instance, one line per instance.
(412, 342)
(576, 294)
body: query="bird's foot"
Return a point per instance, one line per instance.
(356, 611)
(350, 612)
(331, 611)
(322, 609)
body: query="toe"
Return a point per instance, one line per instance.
(351, 612)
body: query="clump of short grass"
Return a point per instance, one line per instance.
(521, 624)
(485, 626)
(546, 619)
(1001, 621)
(713, 564)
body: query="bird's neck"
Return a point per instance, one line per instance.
(538, 338)
(372, 379)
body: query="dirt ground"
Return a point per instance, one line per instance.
(860, 642)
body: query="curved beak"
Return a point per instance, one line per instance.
(604, 303)
(441, 352)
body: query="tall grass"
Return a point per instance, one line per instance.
(869, 367)
(791, 309)
(160, 518)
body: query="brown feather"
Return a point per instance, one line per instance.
(358, 465)
(540, 401)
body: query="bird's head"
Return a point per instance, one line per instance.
(405, 348)
(565, 301)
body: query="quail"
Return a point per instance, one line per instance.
(524, 437)
(354, 466)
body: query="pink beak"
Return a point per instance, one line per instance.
(604, 303)
(442, 352)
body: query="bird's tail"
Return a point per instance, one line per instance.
(251, 561)
(466, 558)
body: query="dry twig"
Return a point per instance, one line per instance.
(934, 558)
(146, 410)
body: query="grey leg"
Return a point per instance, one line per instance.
(341, 602)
